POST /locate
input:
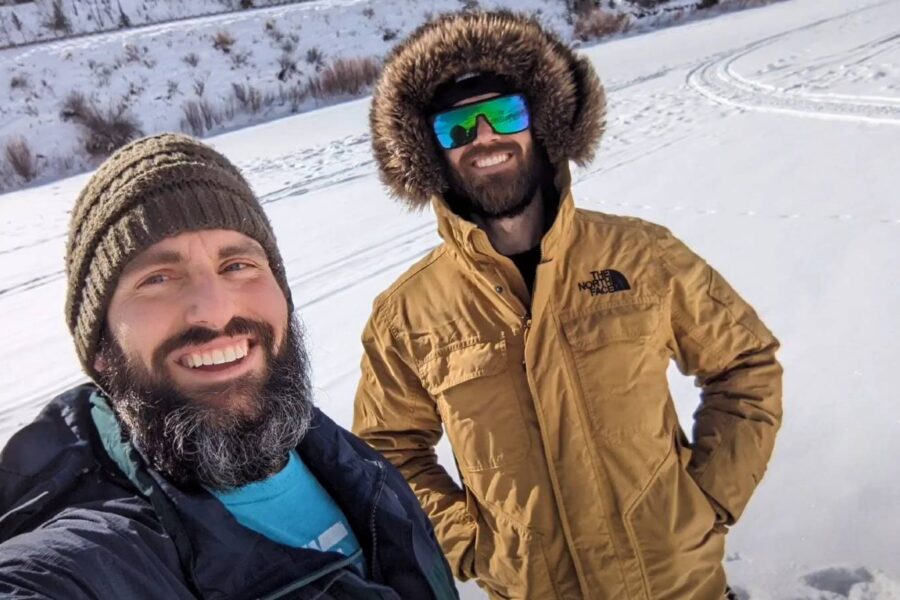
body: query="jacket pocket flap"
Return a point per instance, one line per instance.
(612, 324)
(458, 363)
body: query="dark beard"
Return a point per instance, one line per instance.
(498, 196)
(195, 442)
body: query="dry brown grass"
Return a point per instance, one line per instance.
(250, 98)
(596, 23)
(21, 158)
(199, 117)
(223, 41)
(57, 20)
(345, 76)
(106, 130)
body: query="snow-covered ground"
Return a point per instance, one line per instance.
(36, 20)
(216, 63)
(767, 139)
(236, 68)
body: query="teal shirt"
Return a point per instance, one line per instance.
(292, 508)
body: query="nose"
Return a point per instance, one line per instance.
(485, 133)
(209, 303)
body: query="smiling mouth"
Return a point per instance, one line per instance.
(491, 160)
(217, 359)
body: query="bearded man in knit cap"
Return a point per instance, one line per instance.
(538, 337)
(195, 464)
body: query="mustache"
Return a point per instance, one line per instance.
(196, 335)
(196, 444)
(475, 152)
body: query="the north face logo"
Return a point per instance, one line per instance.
(604, 282)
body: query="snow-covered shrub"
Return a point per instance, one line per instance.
(249, 97)
(191, 59)
(597, 23)
(239, 59)
(18, 81)
(199, 117)
(287, 66)
(296, 95)
(345, 76)
(316, 57)
(272, 31)
(57, 20)
(105, 130)
(21, 158)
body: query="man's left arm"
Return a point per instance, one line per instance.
(718, 337)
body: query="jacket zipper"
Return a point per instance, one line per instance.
(379, 486)
(526, 329)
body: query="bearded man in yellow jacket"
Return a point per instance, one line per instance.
(538, 337)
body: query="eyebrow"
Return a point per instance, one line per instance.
(153, 258)
(245, 249)
(171, 257)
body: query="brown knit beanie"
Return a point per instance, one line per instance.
(151, 189)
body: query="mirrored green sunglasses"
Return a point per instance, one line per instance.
(458, 126)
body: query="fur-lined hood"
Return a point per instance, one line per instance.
(566, 98)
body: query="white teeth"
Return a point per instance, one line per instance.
(217, 357)
(490, 161)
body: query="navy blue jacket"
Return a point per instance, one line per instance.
(83, 516)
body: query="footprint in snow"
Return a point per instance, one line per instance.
(837, 580)
(853, 583)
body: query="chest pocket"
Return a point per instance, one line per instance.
(627, 322)
(619, 366)
(470, 381)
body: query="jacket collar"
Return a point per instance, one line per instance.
(472, 242)
(197, 520)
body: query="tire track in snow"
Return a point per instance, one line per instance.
(408, 245)
(32, 283)
(317, 159)
(717, 80)
(368, 263)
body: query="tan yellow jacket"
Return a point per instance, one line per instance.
(578, 480)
